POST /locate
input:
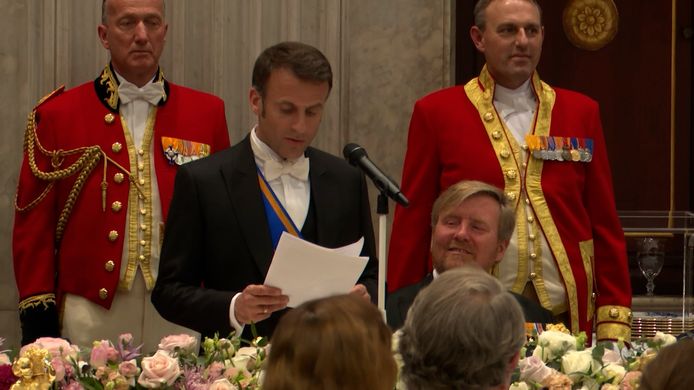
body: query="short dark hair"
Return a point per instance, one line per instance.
(305, 61)
(481, 6)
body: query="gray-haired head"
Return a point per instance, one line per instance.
(463, 331)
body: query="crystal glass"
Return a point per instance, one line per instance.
(650, 257)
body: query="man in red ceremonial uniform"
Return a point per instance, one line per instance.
(544, 146)
(96, 182)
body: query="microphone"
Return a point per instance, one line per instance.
(356, 155)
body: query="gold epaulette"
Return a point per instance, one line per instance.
(613, 323)
(36, 300)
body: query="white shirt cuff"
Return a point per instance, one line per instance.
(238, 327)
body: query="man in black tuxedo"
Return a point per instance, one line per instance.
(228, 211)
(472, 223)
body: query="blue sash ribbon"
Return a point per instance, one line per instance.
(278, 219)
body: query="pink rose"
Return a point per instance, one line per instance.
(158, 370)
(630, 381)
(125, 339)
(56, 346)
(4, 359)
(73, 385)
(129, 369)
(237, 374)
(184, 341)
(533, 369)
(611, 356)
(215, 370)
(222, 384)
(102, 353)
(59, 368)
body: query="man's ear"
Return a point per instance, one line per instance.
(501, 249)
(255, 101)
(102, 31)
(477, 37)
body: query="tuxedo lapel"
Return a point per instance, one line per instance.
(322, 198)
(241, 180)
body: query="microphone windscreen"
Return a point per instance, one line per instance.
(352, 152)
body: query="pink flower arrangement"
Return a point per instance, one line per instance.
(560, 361)
(224, 364)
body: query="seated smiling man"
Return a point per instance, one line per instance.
(472, 223)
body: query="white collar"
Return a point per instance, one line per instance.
(263, 152)
(519, 99)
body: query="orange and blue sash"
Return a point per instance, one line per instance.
(278, 219)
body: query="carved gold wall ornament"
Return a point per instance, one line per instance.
(590, 24)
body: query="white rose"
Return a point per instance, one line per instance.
(664, 339)
(533, 369)
(614, 372)
(4, 359)
(222, 384)
(609, 386)
(159, 370)
(552, 344)
(576, 363)
(519, 386)
(245, 358)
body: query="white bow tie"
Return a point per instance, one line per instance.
(299, 169)
(152, 92)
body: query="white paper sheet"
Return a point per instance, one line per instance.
(306, 271)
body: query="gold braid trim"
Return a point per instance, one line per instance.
(85, 164)
(36, 300)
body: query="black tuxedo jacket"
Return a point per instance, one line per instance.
(217, 240)
(399, 302)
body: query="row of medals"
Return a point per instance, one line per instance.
(539, 148)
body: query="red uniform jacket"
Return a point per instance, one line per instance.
(79, 263)
(452, 138)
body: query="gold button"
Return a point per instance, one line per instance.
(140, 152)
(109, 266)
(109, 118)
(118, 177)
(143, 211)
(140, 166)
(488, 116)
(531, 219)
(533, 256)
(524, 147)
(525, 164)
(143, 227)
(505, 153)
(112, 235)
(103, 293)
(141, 258)
(592, 298)
(614, 313)
(116, 206)
(496, 134)
(533, 276)
(143, 242)
(531, 237)
(527, 201)
(141, 181)
(511, 174)
(511, 195)
(116, 147)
